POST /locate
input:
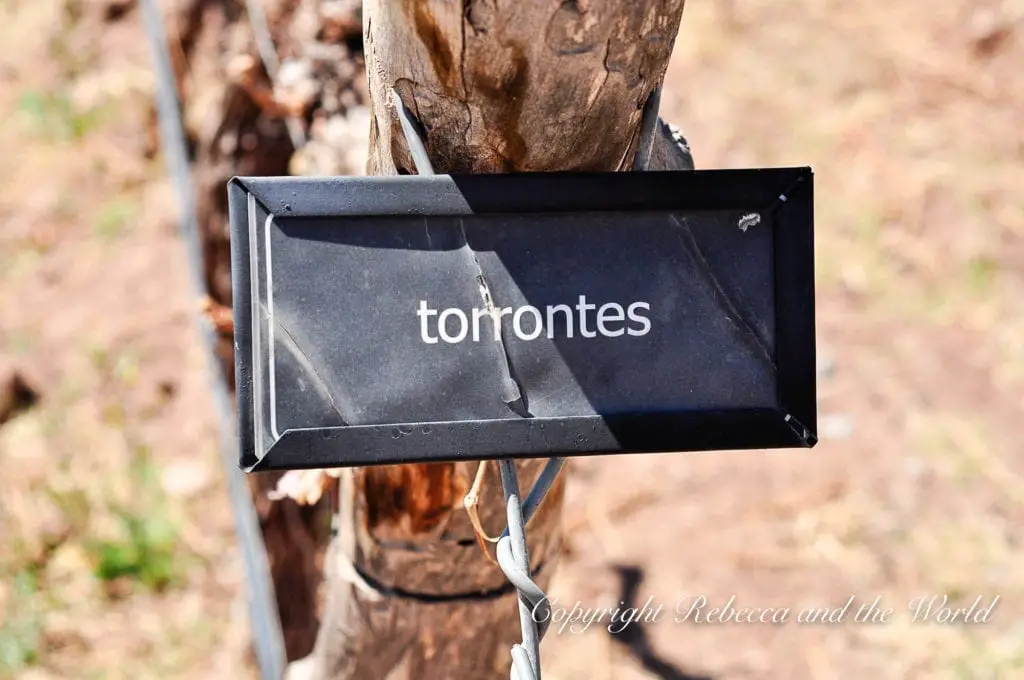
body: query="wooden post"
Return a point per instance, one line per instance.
(498, 86)
(518, 86)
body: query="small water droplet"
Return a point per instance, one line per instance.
(287, 207)
(426, 429)
(395, 434)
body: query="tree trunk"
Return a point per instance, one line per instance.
(504, 86)
(498, 86)
(238, 122)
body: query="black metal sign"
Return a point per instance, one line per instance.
(388, 320)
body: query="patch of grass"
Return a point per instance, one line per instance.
(981, 274)
(20, 343)
(73, 11)
(54, 418)
(126, 368)
(117, 366)
(18, 264)
(73, 504)
(96, 674)
(72, 56)
(145, 550)
(99, 357)
(22, 628)
(988, 658)
(113, 415)
(57, 119)
(961, 450)
(114, 219)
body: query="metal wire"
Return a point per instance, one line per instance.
(413, 136)
(268, 55)
(648, 124)
(266, 627)
(514, 560)
(513, 556)
(540, 488)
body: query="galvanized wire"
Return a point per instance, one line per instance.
(648, 125)
(512, 553)
(514, 560)
(266, 626)
(268, 55)
(413, 136)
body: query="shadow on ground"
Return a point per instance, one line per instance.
(634, 637)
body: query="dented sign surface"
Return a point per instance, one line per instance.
(386, 320)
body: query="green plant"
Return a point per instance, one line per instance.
(56, 117)
(21, 631)
(113, 219)
(144, 553)
(981, 273)
(145, 550)
(20, 342)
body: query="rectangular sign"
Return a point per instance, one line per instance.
(400, 319)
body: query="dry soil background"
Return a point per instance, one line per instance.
(117, 556)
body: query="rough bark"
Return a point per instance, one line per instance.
(503, 86)
(237, 118)
(411, 593)
(498, 85)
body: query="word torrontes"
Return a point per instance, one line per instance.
(611, 320)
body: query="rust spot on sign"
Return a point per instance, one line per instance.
(438, 48)
(415, 498)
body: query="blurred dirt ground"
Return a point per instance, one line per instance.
(117, 556)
